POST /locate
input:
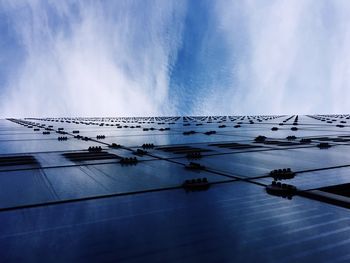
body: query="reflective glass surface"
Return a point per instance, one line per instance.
(174, 189)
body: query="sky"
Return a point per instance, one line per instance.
(181, 57)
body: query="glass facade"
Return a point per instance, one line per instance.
(175, 189)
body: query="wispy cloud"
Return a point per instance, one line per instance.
(177, 57)
(293, 57)
(93, 58)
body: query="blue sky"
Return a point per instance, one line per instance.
(124, 58)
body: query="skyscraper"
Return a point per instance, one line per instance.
(175, 189)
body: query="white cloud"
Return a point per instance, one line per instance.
(295, 57)
(90, 59)
(115, 58)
